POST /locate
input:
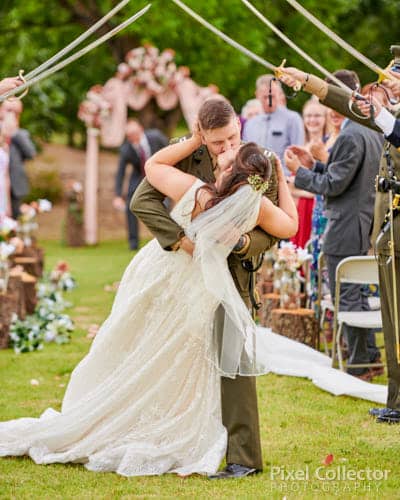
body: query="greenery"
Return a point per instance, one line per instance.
(300, 424)
(45, 183)
(32, 31)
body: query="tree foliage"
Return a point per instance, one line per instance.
(32, 31)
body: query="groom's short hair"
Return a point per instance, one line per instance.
(215, 113)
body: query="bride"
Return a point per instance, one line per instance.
(146, 398)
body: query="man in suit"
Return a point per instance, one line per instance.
(220, 130)
(346, 182)
(21, 149)
(139, 145)
(340, 100)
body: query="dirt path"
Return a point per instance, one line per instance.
(70, 163)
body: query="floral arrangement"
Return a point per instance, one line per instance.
(74, 194)
(26, 223)
(153, 72)
(8, 227)
(292, 256)
(48, 323)
(147, 73)
(94, 108)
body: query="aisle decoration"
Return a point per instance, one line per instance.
(48, 323)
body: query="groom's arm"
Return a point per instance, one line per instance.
(147, 204)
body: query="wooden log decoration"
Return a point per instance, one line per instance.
(29, 283)
(269, 302)
(29, 264)
(296, 324)
(16, 287)
(74, 225)
(8, 306)
(37, 253)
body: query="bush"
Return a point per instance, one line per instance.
(45, 183)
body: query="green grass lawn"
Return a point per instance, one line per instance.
(300, 424)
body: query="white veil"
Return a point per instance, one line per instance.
(215, 232)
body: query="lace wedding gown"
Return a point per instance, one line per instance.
(146, 398)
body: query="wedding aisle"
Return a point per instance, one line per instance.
(283, 356)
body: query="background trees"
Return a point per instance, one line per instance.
(32, 31)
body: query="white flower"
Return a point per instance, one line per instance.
(8, 224)
(34, 381)
(6, 250)
(45, 205)
(50, 335)
(77, 187)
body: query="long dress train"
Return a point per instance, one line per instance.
(146, 398)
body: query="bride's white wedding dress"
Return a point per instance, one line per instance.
(146, 399)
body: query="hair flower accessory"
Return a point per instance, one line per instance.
(257, 183)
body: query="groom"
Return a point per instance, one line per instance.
(220, 130)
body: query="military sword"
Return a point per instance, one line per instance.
(226, 38)
(73, 57)
(294, 46)
(77, 41)
(382, 73)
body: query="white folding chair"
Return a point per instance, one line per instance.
(362, 270)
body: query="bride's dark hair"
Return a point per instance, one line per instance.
(250, 160)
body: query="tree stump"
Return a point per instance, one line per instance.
(38, 254)
(16, 287)
(296, 324)
(8, 306)
(74, 226)
(29, 264)
(269, 302)
(267, 287)
(29, 283)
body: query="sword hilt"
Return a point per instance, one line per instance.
(23, 80)
(279, 73)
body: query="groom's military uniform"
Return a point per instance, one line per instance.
(239, 396)
(338, 99)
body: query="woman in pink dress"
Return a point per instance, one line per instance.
(314, 116)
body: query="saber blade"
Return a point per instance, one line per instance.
(342, 43)
(225, 37)
(295, 47)
(77, 41)
(75, 56)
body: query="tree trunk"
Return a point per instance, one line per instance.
(296, 324)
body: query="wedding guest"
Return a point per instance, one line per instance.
(252, 108)
(277, 127)
(21, 148)
(139, 145)
(315, 124)
(346, 181)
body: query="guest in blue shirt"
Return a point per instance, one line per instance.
(277, 127)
